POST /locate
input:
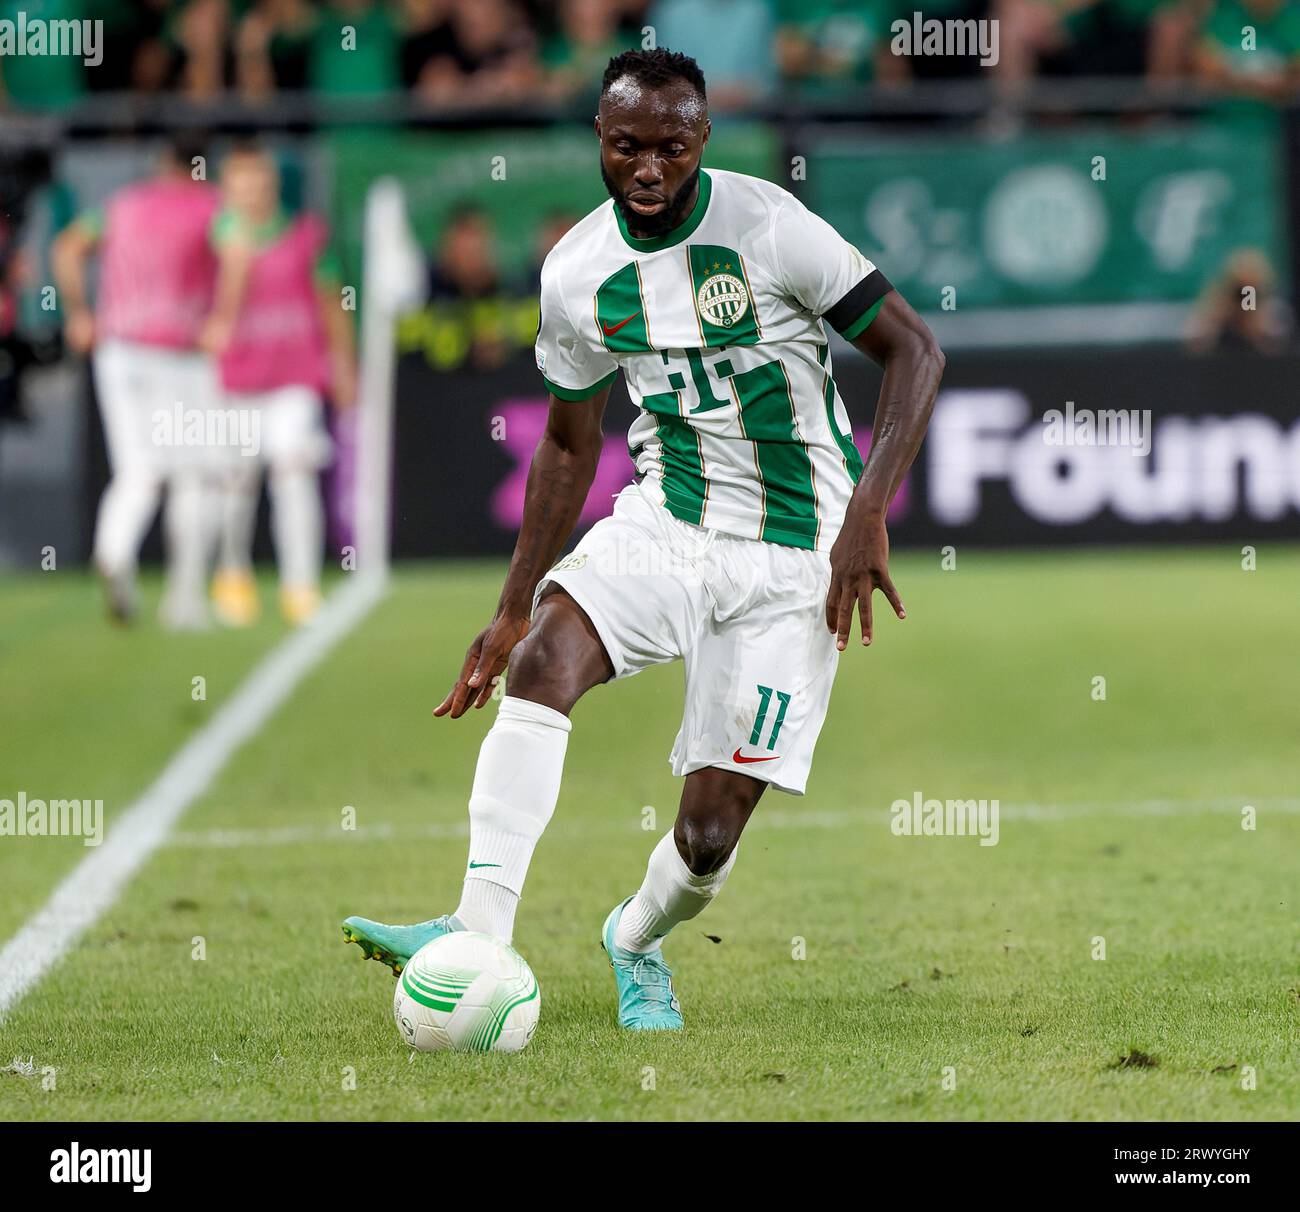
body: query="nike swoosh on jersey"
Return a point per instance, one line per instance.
(609, 332)
(473, 865)
(743, 760)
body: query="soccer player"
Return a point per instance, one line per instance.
(156, 278)
(282, 340)
(751, 535)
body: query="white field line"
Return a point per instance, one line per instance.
(91, 888)
(298, 835)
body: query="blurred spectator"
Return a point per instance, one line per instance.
(273, 47)
(465, 266)
(465, 284)
(129, 27)
(1254, 78)
(549, 234)
(42, 81)
(945, 67)
(184, 45)
(732, 40)
(1094, 37)
(576, 55)
(486, 56)
(824, 47)
(426, 35)
(367, 59)
(1240, 309)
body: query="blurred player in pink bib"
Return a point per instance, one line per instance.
(283, 341)
(155, 387)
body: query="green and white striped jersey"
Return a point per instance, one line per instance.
(718, 329)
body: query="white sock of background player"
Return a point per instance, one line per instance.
(516, 785)
(297, 526)
(239, 493)
(189, 531)
(671, 893)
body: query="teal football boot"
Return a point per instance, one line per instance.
(646, 1001)
(394, 945)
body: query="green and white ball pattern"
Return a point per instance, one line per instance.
(468, 993)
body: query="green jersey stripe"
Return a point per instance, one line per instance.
(768, 419)
(620, 312)
(852, 456)
(681, 462)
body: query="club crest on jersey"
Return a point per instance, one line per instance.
(722, 299)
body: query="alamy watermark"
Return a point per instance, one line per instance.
(216, 428)
(25, 817)
(22, 35)
(919, 817)
(80, 1163)
(1129, 427)
(951, 39)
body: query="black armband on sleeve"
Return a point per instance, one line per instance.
(858, 308)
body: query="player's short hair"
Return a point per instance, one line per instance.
(655, 68)
(183, 148)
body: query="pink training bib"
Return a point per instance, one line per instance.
(157, 268)
(279, 338)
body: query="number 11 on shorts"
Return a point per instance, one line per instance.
(765, 701)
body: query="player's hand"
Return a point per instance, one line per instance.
(484, 662)
(215, 335)
(859, 566)
(343, 384)
(79, 330)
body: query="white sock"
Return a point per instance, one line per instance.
(516, 784)
(297, 525)
(239, 493)
(189, 531)
(671, 893)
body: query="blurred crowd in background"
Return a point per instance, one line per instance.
(956, 177)
(451, 53)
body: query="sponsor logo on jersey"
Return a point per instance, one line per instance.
(722, 299)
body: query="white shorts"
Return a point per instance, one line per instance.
(748, 618)
(149, 398)
(288, 424)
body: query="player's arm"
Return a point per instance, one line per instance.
(340, 339)
(899, 341)
(69, 255)
(235, 252)
(559, 478)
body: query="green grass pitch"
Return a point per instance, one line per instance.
(939, 979)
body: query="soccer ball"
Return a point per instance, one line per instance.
(469, 993)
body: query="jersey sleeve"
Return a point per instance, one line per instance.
(824, 273)
(91, 222)
(227, 230)
(572, 369)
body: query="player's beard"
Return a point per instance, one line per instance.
(650, 227)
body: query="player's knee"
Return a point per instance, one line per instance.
(528, 663)
(540, 670)
(560, 659)
(705, 840)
